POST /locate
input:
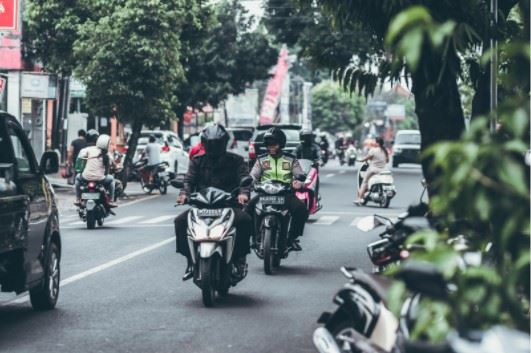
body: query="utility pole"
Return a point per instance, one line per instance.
(493, 66)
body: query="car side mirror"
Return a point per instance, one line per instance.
(49, 163)
(177, 184)
(424, 278)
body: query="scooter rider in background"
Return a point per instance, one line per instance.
(97, 167)
(223, 170)
(378, 158)
(91, 137)
(279, 166)
(308, 149)
(152, 153)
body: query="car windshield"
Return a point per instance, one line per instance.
(408, 139)
(291, 135)
(144, 138)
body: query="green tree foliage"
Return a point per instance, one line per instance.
(223, 55)
(129, 59)
(484, 181)
(333, 110)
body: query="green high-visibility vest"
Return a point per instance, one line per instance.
(276, 169)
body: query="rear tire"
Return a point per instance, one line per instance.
(269, 256)
(100, 222)
(44, 296)
(91, 220)
(207, 286)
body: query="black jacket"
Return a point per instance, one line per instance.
(224, 173)
(311, 152)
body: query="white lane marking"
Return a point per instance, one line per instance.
(128, 219)
(342, 172)
(355, 221)
(157, 219)
(128, 226)
(137, 201)
(329, 175)
(99, 268)
(326, 220)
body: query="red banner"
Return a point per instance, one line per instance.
(274, 88)
(8, 15)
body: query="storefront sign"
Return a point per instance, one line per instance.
(38, 86)
(8, 15)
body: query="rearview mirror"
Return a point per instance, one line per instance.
(424, 278)
(49, 163)
(177, 184)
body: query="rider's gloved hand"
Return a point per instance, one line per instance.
(242, 199)
(297, 184)
(181, 199)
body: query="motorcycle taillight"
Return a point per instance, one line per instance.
(91, 185)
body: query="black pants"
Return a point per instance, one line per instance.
(244, 228)
(297, 209)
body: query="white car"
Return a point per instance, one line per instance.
(174, 154)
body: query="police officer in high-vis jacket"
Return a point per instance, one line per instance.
(279, 166)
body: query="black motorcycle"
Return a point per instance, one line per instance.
(160, 180)
(273, 219)
(94, 206)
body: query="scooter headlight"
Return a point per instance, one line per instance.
(201, 231)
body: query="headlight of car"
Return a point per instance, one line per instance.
(217, 232)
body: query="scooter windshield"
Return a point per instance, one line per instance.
(306, 165)
(210, 197)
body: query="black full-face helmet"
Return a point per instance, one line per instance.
(306, 136)
(92, 136)
(275, 136)
(215, 139)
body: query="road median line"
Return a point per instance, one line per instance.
(24, 298)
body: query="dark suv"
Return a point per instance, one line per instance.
(257, 147)
(30, 243)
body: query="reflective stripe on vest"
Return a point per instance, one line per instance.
(277, 169)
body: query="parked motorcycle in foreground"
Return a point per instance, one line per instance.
(381, 188)
(308, 194)
(211, 239)
(94, 206)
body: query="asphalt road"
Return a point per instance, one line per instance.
(121, 288)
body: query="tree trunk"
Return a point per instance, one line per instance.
(438, 108)
(131, 146)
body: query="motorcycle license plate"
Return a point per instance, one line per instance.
(209, 213)
(272, 200)
(90, 196)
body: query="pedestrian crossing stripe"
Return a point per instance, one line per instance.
(327, 219)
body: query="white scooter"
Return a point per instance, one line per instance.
(351, 155)
(381, 188)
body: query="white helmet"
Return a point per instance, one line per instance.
(103, 142)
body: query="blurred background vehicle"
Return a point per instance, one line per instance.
(406, 147)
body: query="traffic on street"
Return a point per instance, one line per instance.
(234, 176)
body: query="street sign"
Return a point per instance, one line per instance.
(8, 15)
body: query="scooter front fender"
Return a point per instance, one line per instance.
(207, 249)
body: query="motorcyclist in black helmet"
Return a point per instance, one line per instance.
(279, 166)
(308, 149)
(223, 170)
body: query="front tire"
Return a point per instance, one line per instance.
(163, 187)
(91, 220)
(207, 282)
(44, 296)
(269, 256)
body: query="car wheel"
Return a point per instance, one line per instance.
(44, 296)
